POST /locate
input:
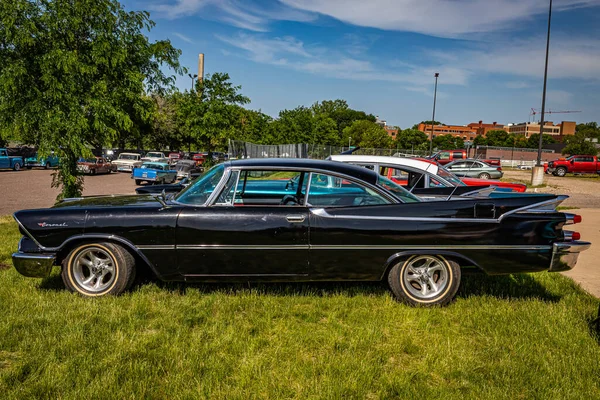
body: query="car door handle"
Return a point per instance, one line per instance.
(296, 218)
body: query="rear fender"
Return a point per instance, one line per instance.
(459, 258)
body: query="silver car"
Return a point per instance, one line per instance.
(474, 169)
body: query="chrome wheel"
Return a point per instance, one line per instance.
(94, 269)
(425, 277)
(484, 176)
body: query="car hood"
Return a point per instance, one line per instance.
(110, 201)
(117, 161)
(89, 164)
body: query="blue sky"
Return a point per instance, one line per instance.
(380, 55)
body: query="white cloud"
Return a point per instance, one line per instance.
(443, 18)
(291, 53)
(239, 13)
(559, 97)
(517, 85)
(183, 37)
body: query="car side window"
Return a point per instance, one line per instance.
(3, 153)
(331, 191)
(227, 195)
(457, 155)
(266, 188)
(458, 165)
(444, 155)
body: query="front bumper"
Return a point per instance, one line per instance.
(125, 167)
(564, 255)
(33, 265)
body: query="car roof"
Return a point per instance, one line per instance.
(337, 167)
(401, 161)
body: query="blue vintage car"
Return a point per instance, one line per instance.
(36, 161)
(154, 172)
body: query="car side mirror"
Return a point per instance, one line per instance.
(572, 161)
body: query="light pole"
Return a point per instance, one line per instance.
(436, 75)
(537, 174)
(349, 139)
(192, 77)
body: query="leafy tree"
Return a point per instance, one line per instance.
(480, 140)
(499, 138)
(533, 141)
(339, 111)
(411, 139)
(579, 143)
(73, 75)
(448, 142)
(207, 114)
(367, 134)
(589, 129)
(302, 125)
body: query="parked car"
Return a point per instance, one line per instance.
(425, 177)
(128, 161)
(157, 173)
(185, 168)
(46, 162)
(444, 157)
(174, 157)
(174, 187)
(155, 156)
(474, 169)
(577, 164)
(249, 220)
(199, 158)
(96, 165)
(12, 162)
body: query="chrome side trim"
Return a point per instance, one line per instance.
(343, 247)
(321, 212)
(240, 275)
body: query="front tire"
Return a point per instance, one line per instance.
(47, 166)
(425, 280)
(561, 171)
(17, 167)
(484, 175)
(98, 269)
(138, 182)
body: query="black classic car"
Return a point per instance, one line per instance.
(295, 220)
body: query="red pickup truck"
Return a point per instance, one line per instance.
(577, 164)
(444, 157)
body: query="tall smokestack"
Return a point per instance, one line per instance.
(200, 67)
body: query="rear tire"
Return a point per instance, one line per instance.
(138, 182)
(560, 171)
(98, 269)
(425, 280)
(17, 166)
(484, 175)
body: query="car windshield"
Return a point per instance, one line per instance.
(449, 176)
(200, 190)
(128, 156)
(154, 155)
(88, 160)
(397, 190)
(152, 166)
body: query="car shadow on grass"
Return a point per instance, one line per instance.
(510, 287)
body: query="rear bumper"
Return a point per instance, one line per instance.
(33, 265)
(564, 255)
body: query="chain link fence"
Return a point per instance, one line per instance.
(239, 149)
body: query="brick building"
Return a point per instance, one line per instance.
(483, 129)
(565, 128)
(464, 132)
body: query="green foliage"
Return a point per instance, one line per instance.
(448, 142)
(580, 143)
(366, 134)
(339, 111)
(73, 75)
(412, 139)
(589, 130)
(533, 140)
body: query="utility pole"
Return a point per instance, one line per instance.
(200, 67)
(436, 75)
(537, 174)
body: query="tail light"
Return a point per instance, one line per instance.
(570, 236)
(572, 219)
(499, 169)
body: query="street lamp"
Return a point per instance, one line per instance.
(349, 139)
(537, 174)
(192, 77)
(436, 75)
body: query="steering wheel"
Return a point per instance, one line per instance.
(288, 198)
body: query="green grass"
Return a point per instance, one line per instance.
(526, 336)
